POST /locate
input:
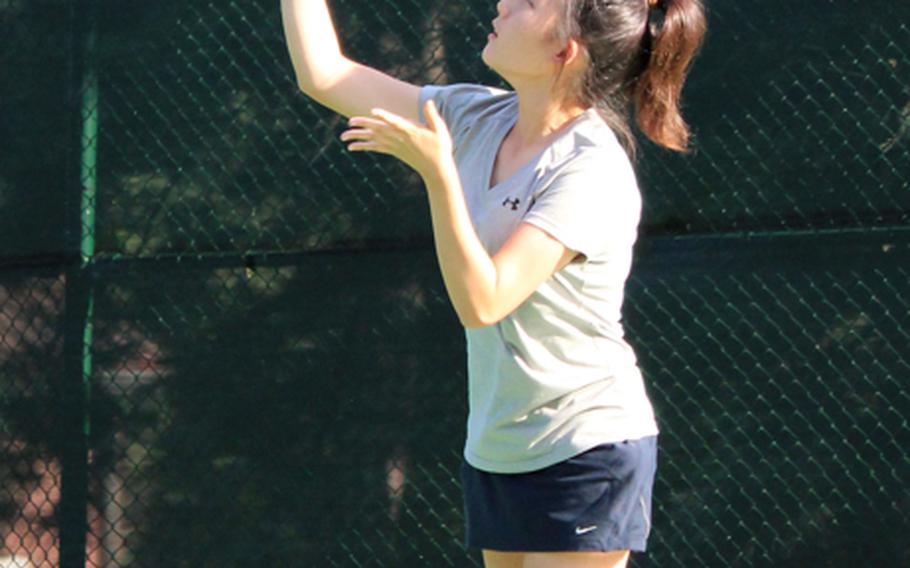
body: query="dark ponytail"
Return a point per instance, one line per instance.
(638, 54)
(673, 45)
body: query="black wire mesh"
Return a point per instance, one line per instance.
(800, 112)
(275, 377)
(31, 371)
(311, 433)
(780, 392)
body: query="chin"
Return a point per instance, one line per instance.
(489, 61)
(485, 57)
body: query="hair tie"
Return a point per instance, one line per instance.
(654, 21)
(651, 26)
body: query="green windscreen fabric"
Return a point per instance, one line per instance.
(36, 98)
(225, 341)
(801, 116)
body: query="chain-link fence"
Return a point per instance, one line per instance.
(225, 342)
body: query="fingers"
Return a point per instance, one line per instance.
(432, 113)
(363, 133)
(370, 139)
(368, 146)
(386, 133)
(362, 140)
(356, 134)
(381, 119)
(366, 128)
(368, 133)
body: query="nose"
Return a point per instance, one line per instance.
(501, 7)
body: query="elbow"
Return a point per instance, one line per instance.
(303, 86)
(319, 82)
(470, 323)
(308, 86)
(309, 90)
(475, 318)
(316, 92)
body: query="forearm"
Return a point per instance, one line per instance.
(468, 271)
(312, 43)
(483, 288)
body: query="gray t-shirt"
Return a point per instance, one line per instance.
(555, 377)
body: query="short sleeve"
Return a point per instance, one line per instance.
(592, 205)
(460, 105)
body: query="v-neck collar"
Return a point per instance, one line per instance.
(507, 126)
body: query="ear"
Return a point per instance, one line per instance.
(570, 54)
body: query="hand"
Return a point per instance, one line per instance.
(427, 150)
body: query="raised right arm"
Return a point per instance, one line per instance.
(330, 78)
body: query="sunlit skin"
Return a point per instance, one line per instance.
(383, 111)
(523, 50)
(492, 559)
(485, 289)
(520, 48)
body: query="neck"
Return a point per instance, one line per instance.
(540, 115)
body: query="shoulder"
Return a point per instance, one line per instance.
(465, 100)
(465, 92)
(587, 195)
(591, 160)
(593, 146)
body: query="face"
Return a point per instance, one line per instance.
(522, 45)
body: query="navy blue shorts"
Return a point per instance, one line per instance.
(599, 500)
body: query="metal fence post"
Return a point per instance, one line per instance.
(75, 414)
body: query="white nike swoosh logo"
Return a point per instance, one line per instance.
(584, 530)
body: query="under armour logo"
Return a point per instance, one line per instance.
(513, 202)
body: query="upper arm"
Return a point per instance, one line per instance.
(527, 259)
(355, 89)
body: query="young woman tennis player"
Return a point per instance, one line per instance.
(535, 209)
